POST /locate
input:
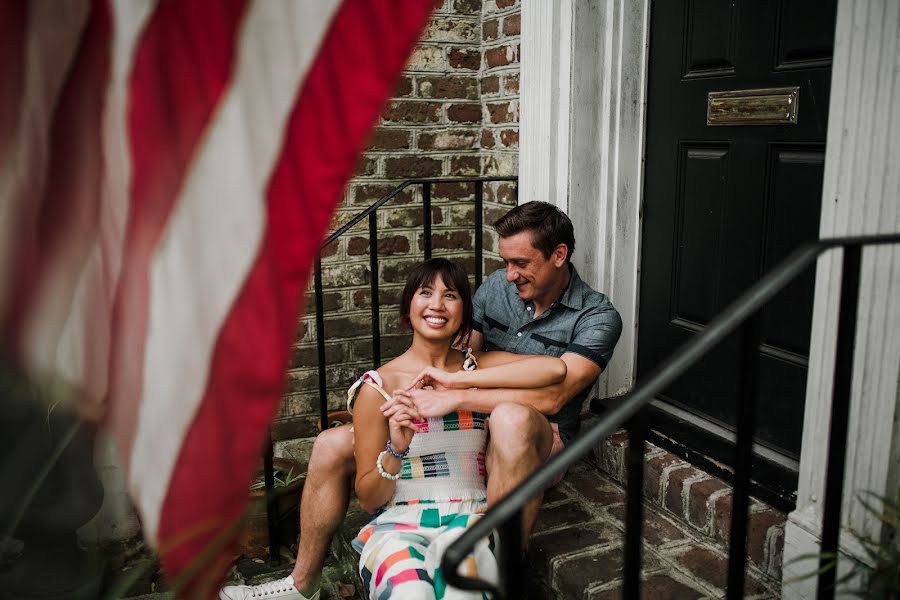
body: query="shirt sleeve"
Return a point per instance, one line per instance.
(478, 302)
(596, 334)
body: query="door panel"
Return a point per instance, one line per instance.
(724, 204)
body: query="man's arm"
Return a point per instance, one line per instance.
(580, 373)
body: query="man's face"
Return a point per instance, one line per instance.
(526, 267)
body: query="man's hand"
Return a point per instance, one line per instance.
(431, 403)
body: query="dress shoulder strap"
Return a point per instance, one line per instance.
(469, 364)
(370, 378)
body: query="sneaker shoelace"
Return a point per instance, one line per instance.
(273, 587)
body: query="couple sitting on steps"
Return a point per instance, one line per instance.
(539, 337)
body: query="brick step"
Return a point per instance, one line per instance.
(696, 499)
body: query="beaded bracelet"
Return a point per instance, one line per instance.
(381, 470)
(391, 451)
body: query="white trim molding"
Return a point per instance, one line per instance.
(584, 74)
(860, 195)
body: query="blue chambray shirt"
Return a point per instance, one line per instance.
(582, 321)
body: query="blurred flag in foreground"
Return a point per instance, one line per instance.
(167, 172)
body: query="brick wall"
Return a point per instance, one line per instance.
(454, 113)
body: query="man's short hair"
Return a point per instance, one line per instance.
(549, 226)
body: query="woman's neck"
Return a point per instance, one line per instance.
(430, 354)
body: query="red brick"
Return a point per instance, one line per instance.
(396, 272)
(653, 474)
(449, 240)
(713, 568)
(698, 499)
(487, 138)
(464, 58)
(757, 532)
(329, 250)
(490, 84)
(404, 87)
(453, 139)
(575, 575)
(340, 327)
(722, 518)
(657, 587)
(500, 56)
(490, 30)
(543, 548)
(395, 244)
(309, 357)
(448, 87)
(411, 112)
(389, 139)
(404, 167)
(512, 25)
(452, 191)
(366, 167)
(301, 331)
(467, 7)
(412, 217)
(465, 166)
(386, 297)
(370, 193)
(464, 113)
(331, 301)
(502, 112)
(511, 85)
(509, 138)
(657, 529)
(501, 4)
(673, 500)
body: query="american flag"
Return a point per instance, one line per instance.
(167, 171)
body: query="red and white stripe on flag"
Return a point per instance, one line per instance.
(167, 172)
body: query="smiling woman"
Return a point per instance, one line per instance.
(428, 475)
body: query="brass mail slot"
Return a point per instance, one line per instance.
(765, 106)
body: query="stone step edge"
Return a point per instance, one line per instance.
(695, 498)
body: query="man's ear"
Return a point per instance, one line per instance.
(559, 255)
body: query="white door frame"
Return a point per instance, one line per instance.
(584, 78)
(582, 130)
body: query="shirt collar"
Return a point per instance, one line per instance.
(572, 297)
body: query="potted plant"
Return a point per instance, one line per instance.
(289, 477)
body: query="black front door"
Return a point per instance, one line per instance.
(725, 202)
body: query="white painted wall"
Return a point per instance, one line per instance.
(581, 129)
(861, 195)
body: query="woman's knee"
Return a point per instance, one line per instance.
(333, 450)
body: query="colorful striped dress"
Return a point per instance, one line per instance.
(440, 492)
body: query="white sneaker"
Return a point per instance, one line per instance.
(281, 589)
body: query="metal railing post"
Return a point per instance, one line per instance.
(373, 287)
(840, 411)
(271, 503)
(634, 504)
(751, 338)
(426, 217)
(479, 232)
(511, 583)
(320, 341)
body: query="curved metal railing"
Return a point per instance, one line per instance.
(744, 315)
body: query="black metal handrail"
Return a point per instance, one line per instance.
(371, 214)
(744, 313)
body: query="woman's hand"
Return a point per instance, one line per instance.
(402, 416)
(435, 378)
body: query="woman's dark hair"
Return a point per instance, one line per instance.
(453, 276)
(549, 225)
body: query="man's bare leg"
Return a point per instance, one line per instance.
(323, 507)
(520, 442)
